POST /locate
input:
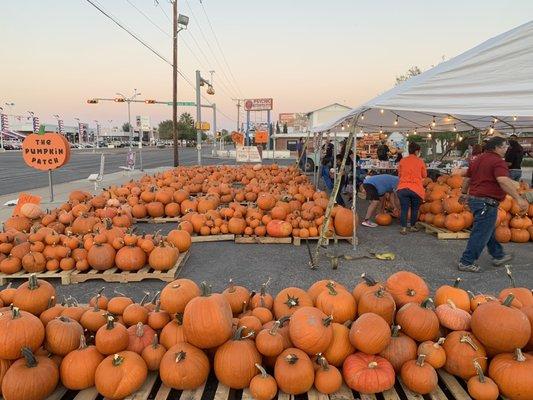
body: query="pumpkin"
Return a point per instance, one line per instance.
(435, 354)
(4, 366)
(452, 317)
(30, 378)
(310, 330)
(459, 296)
(378, 301)
(93, 318)
(523, 295)
(289, 300)
(207, 320)
(78, 367)
(340, 346)
(270, 342)
(34, 262)
(173, 332)
(252, 325)
(263, 386)
(400, 349)
(370, 334)
(406, 287)
(368, 373)
(19, 329)
(120, 375)
(367, 283)
(462, 348)
(481, 387)
(236, 297)
(500, 327)
(184, 367)
(135, 313)
(502, 234)
(419, 376)
(163, 257)
(454, 222)
(383, 219)
(153, 354)
(118, 304)
(278, 228)
(263, 314)
(111, 338)
(320, 286)
(343, 221)
(101, 256)
(181, 239)
(33, 295)
(176, 294)
(328, 378)
(31, 211)
(294, 372)
(519, 235)
(513, 373)
(338, 303)
(158, 319)
(53, 311)
(242, 355)
(418, 321)
(139, 337)
(262, 299)
(63, 336)
(130, 258)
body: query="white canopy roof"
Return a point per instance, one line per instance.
(488, 86)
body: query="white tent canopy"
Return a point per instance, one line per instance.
(488, 86)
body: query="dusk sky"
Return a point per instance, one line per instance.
(55, 54)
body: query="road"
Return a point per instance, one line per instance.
(16, 176)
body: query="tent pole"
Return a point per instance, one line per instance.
(319, 159)
(354, 194)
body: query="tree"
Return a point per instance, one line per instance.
(186, 129)
(165, 130)
(413, 71)
(126, 127)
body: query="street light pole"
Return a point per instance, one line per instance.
(175, 81)
(198, 117)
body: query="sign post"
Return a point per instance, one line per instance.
(262, 104)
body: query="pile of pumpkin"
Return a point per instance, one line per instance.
(443, 209)
(289, 342)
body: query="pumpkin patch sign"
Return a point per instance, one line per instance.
(45, 152)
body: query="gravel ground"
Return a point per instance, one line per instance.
(287, 265)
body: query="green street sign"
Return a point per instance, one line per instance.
(182, 103)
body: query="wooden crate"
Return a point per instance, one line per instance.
(213, 238)
(116, 275)
(449, 388)
(298, 241)
(58, 274)
(262, 240)
(443, 233)
(161, 220)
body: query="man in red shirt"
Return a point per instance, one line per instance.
(487, 182)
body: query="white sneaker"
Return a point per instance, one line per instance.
(370, 224)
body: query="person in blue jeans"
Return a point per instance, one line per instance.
(487, 182)
(409, 200)
(375, 188)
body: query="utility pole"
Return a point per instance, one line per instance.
(175, 81)
(238, 112)
(199, 117)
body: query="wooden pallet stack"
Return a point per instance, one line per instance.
(443, 233)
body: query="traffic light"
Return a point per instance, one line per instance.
(149, 101)
(120, 99)
(92, 101)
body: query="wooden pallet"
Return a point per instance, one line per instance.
(443, 233)
(116, 275)
(449, 389)
(161, 220)
(262, 240)
(213, 238)
(298, 241)
(58, 274)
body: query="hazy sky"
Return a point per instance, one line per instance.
(304, 53)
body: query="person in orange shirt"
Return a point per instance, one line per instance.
(410, 191)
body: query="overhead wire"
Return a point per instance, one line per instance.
(163, 58)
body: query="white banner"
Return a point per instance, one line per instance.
(247, 154)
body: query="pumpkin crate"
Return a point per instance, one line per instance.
(262, 240)
(213, 238)
(160, 220)
(449, 388)
(116, 275)
(443, 233)
(57, 274)
(298, 241)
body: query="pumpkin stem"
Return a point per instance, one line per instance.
(284, 319)
(395, 330)
(331, 287)
(292, 359)
(380, 292)
(457, 282)
(348, 323)
(292, 301)
(119, 293)
(467, 339)
(411, 292)
(328, 320)
(180, 356)
(508, 300)
(83, 343)
(139, 331)
(264, 286)
(51, 302)
(244, 307)
(479, 371)
(470, 294)
(110, 322)
(420, 360)
(321, 360)
(372, 365)
(439, 342)
(32, 282)
(31, 360)
(64, 318)
(96, 306)
(518, 356)
(158, 306)
(274, 328)
(156, 296)
(451, 304)
(206, 289)
(155, 342)
(368, 280)
(179, 318)
(426, 303)
(238, 333)
(117, 360)
(15, 313)
(231, 286)
(510, 275)
(261, 370)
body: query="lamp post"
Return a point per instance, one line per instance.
(128, 100)
(97, 133)
(210, 90)
(2, 129)
(79, 130)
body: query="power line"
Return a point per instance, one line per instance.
(156, 3)
(220, 48)
(148, 18)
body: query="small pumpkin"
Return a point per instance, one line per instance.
(153, 354)
(294, 371)
(406, 287)
(111, 338)
(418, 321)
(263, 386)
(454, 293)
(338, 303)
(78, 367)
(63, 335)
(435, 354)
(368, 373)
(176, 294)
(328, 379)
(452, 317)
(310, 330)
(481, 387)
(419, 376)
(184, 367)
(378, 301)
(400, 349)
(289, 300)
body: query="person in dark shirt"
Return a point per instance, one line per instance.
(513, 158)
(301, 154)
(487, 183)
(327, 163)
(383, 151)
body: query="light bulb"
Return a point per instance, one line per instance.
(382, 111)
(396, 121)
(495, 120)
(415, 132)
(342, 127)
(347, 125)
(454, 128)
(491, 130)
(362, 116)
(429, 135)
(514, 118)
(380, 129)
(460, 138)
(433, 123)
(407, 134)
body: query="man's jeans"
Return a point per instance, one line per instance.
(482, 233)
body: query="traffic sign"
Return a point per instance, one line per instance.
(182, 103)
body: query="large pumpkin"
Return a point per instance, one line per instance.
(207, 320)
(343, 221)
(462, 348)
(419, 376)
(513, 373)
(370, 334)
(184, 367)
(400, 349)
(310, 330)
(120, 375)
(367, 373)
(418, 321)
(78, 367)
(176, 294)
(19, 329)
(278, 228)
(294, 372)
(289, 300)
(378, 301)
(33, 296)
(340, 346)
(337, 302)
(454, 293)
(406, 287)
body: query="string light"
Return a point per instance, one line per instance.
(362, 116)
(429, 135)
(454, 128)
(433, 123)
(495, 120)
(382, 111)
(460, 138)
(415, 132)
(491, 130)
(348, 125)
(380, 129)
(342, 127)
(407, 134)
(396, 121)
(514, 118)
